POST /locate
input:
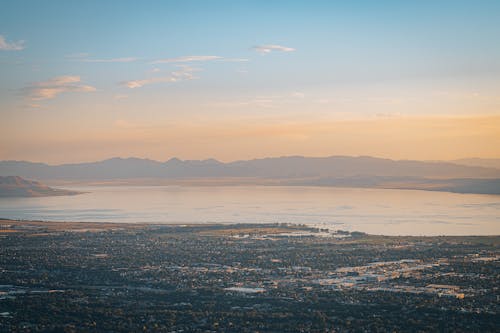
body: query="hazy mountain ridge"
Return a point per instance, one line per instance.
(362, 171)
(278, 168)
(14, 186)
(481, 162)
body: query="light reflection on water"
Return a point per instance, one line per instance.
(376, 211)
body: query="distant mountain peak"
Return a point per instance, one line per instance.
(174, 160)
(286, 167)
(212, 160)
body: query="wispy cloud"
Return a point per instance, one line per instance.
(85, 57)
(125, 124)
(298, 94)
(51, 88)
(120, 96)
(127, 59)
(388, 114)
(140, 83)
(184, 73)
(269, 101)
(78, 55)
(187, 59)
(33, 106)
(266, 49)
(11, 46)
(322, 101)
(234, 60)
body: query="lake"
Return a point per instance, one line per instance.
(376, 211)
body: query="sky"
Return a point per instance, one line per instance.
(89, 80)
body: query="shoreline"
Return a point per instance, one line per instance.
(428, 185)
(9, 226)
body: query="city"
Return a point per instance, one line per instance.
(78, 277)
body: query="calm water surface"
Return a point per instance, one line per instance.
(376, 211)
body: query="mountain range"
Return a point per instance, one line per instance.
(484, 162)
(362, 171)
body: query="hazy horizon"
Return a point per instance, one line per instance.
(241, 80)
(468, 159)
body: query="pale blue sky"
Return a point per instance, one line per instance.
(327, 60)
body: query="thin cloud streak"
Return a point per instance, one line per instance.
(234, 60)
(187, 59)
(184, 73)
(12, 46)
(85, 57)
(120, 97)
(270, 101)
(266, 49)
(52, 88)
(140, 83)
(113, 60)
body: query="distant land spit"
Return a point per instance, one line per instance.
(13, 186)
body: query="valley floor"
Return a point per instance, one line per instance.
(111, 277)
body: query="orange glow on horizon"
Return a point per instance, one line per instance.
(421, 138)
